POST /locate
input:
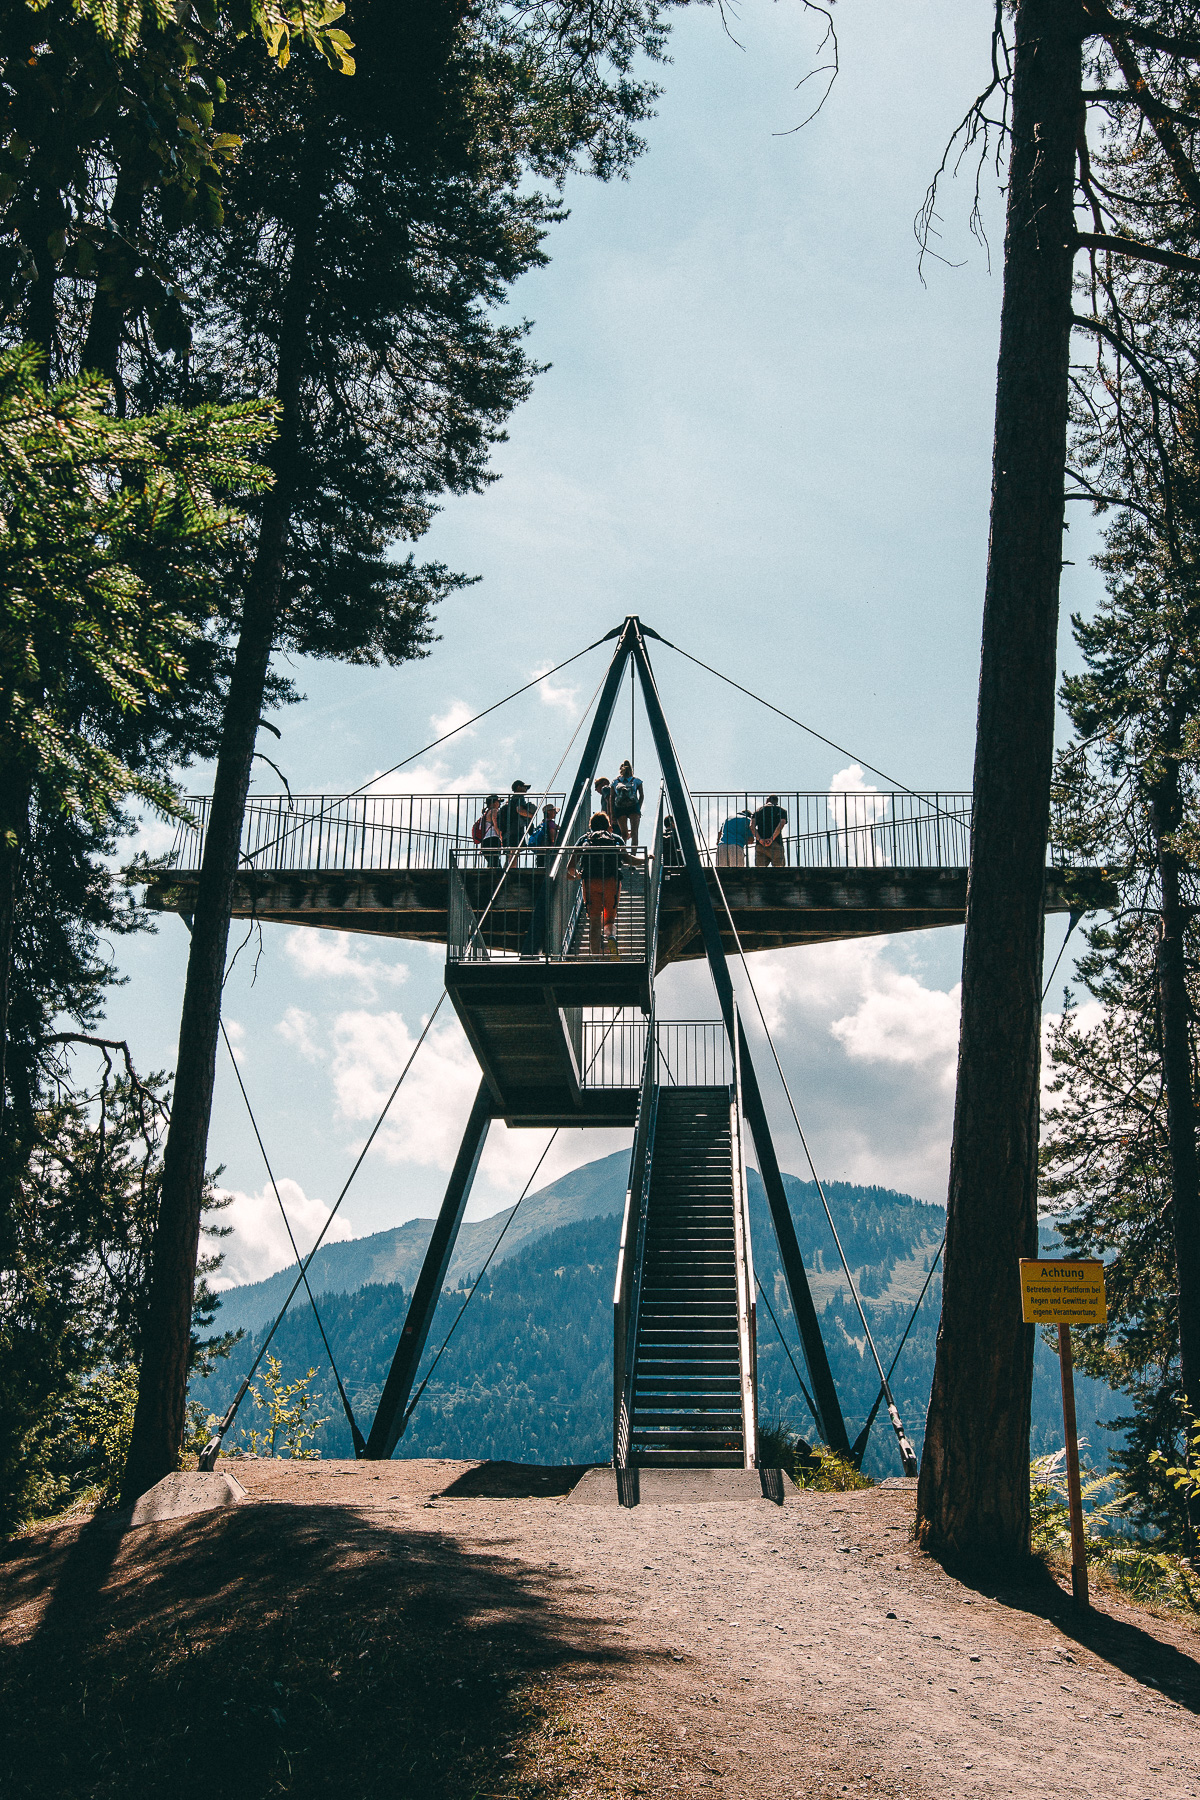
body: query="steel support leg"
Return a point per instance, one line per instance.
(389, 1421)
(824, 1393)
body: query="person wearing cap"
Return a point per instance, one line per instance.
(769, 823)
(735, 837)
(516, 815)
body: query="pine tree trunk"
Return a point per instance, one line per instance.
(162, 1388)
(14, 832)
(1174, 1008)
(973, 1495)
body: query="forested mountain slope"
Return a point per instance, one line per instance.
(528, 1373)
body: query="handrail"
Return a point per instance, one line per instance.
(374, 833)
(464, 942)
(630, 1255)
(654, 896)
(747, 1315)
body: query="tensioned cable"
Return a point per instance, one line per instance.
(860, 1443)
(209, 1453)
(811, 730)
(866, 1430)
(424, 751)
(412, 1407)
(809, 1401)
(355, 1433)
(906, 1450)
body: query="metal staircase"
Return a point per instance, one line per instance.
(687, 1370)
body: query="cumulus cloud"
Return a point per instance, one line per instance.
(235, 1031)
(297, 1028)
(259, 1242)
(563, 695)
(335, 956)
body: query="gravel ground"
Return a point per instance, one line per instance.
(666, 1650)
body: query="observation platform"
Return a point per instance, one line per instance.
(856, 864)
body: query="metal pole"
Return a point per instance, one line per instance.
(389, 1418)
(824, 1393)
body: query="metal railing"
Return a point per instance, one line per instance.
(535, 909)
(380, 832)
(630, 1257)
(842, 829)
(363, 832)
(692, 1053)
(747, 1309)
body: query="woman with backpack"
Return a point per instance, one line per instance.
(485, 832)
(627, 798)
(597, 863)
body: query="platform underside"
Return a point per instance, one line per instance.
(772, 909)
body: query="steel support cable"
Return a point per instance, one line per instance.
(808, 1399)
(208, 1455)
(424, 751)
(412, 1406)
(907, 1453)
(860, 1442)
(811, 730)
(355, 1433)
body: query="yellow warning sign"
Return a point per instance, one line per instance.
(1057, 1292)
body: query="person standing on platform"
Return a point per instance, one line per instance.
(605, 791)
(543, 837)
(628, 796)
(597, 862)
(486, 831)
(769, 822)
(516, 816)
(734, 840)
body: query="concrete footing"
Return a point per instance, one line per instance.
(680, 1487)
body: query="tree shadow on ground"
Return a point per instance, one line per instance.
(298, 1651)
(516, 1481)
(1131, 1648)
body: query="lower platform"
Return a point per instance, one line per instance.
(681, 1487)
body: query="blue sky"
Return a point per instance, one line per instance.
(766, 435)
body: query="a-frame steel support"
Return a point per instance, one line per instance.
(389, 1420)
(824, 1393)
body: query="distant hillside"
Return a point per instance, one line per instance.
(528, 1374)
(594, 1191)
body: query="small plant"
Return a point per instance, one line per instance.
(810, 1466)
(1146, 1575)
(290, 1422)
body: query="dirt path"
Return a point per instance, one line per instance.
(578, 1650)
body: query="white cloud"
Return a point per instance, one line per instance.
(296, 1028)
(899, 1021)
(455, 716)
(236, 1033)
(259, 1243)
(563, 695)
(332, 956)
(434, 777)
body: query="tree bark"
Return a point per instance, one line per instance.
(973, 1494)
(1175, 1020)
(162, 1388)
(14, 832)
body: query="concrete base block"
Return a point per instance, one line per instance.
(187, 1491)
(680, 1487)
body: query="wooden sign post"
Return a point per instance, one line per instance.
(1057, 1292)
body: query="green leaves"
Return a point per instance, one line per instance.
(109, 531)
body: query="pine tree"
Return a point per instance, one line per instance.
(371, 229)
